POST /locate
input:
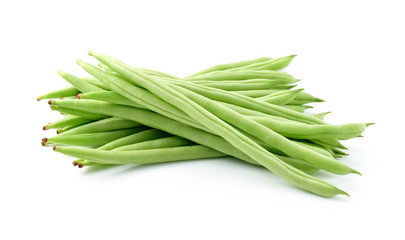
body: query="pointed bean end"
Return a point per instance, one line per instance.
(44, 128)
(58, 131)
(79, 62)
(40, 98)
(356, 172)
(369, 124)
(80, 165)
(54, 147)
(77, 95)
(298, 90)
(342, 147)
(74, 163)
(343, 193)
(91, 53)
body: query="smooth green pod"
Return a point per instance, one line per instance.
(60, 93)
(87, 139)
(227, 66)
(104, 125)
(147, 156)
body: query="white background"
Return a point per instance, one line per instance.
(350, 53)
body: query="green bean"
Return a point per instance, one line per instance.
(149, 71)
(104, 67)
(320, 115)
(281, 97)
(60, 93)
(64, 129)
(158, 73)
(228, 66)
(328, 142)
(298, 108)
(109, 96)
(141, 156)
(257, 93)
(238, 140)
(167, 142)
(316, 148)
(284, 86)
(272, 64)
(83, 114)
(67, 121)
(244, 111)
(141, 134)
(307, 131)
(250, 84)
(339, 152)
(244, 74)
(87, 139)
(80, 84)
(298, 164)
(95, 82)
(304, 98)
(104, 125)
(291, 161)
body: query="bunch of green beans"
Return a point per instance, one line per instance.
(249, 110)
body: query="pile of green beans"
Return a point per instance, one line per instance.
(248, 110)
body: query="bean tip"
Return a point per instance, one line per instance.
(343, 193)
(77, 95)
(50, 102)
(91, 53)
(80, 165)
(54, 147)
(79, 62)
(74, 163)
(39, 98)
(369, 124)
(44, 141)
(356, 172)
(44, 128)
(298, 90)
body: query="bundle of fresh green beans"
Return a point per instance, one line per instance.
(248, 110)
